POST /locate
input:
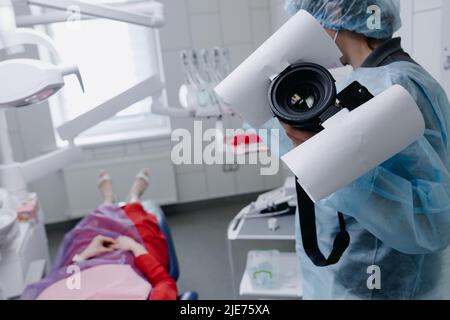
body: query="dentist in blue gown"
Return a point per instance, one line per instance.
(398, 215)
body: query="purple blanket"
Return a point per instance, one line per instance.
(107, 220)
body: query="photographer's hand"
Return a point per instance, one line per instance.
(296, 135)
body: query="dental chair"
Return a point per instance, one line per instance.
(174, 270)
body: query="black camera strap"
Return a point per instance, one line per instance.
(307, 218)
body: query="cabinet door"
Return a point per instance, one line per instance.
(82, 190)
(192, 186)
(249, 179)
(427, 41)
(220, 183)
(273, 182)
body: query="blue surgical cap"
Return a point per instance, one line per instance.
(378, 19)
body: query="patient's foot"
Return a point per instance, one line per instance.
(105, 186)
(140, 185)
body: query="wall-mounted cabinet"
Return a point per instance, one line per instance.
(216, 181)
(123, 162)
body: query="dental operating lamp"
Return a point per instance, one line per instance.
(27, 81)
(42, 79)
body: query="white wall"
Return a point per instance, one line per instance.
(278, 14)
(240, 25)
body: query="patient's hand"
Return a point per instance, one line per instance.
(129, 244)
(296, 135)
(99, 245)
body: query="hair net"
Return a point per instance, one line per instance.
(378, 19)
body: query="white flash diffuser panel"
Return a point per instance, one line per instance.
(302, 38)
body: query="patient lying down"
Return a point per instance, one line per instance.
(113, 253)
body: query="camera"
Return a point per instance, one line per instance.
(304, 96)
(289, 77)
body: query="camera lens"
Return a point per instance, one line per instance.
(301, 93)
(302, 99)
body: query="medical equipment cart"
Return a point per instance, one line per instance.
(254, 233)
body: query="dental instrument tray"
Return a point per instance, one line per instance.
(281, 201)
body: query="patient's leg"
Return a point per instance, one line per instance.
(140, 185)
(106, 188)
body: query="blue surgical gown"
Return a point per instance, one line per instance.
(398, 215)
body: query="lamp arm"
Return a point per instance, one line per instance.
(39, 167)
(31, 36)
(147, 88)
(153, 20)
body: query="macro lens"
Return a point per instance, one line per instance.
(301, 94)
